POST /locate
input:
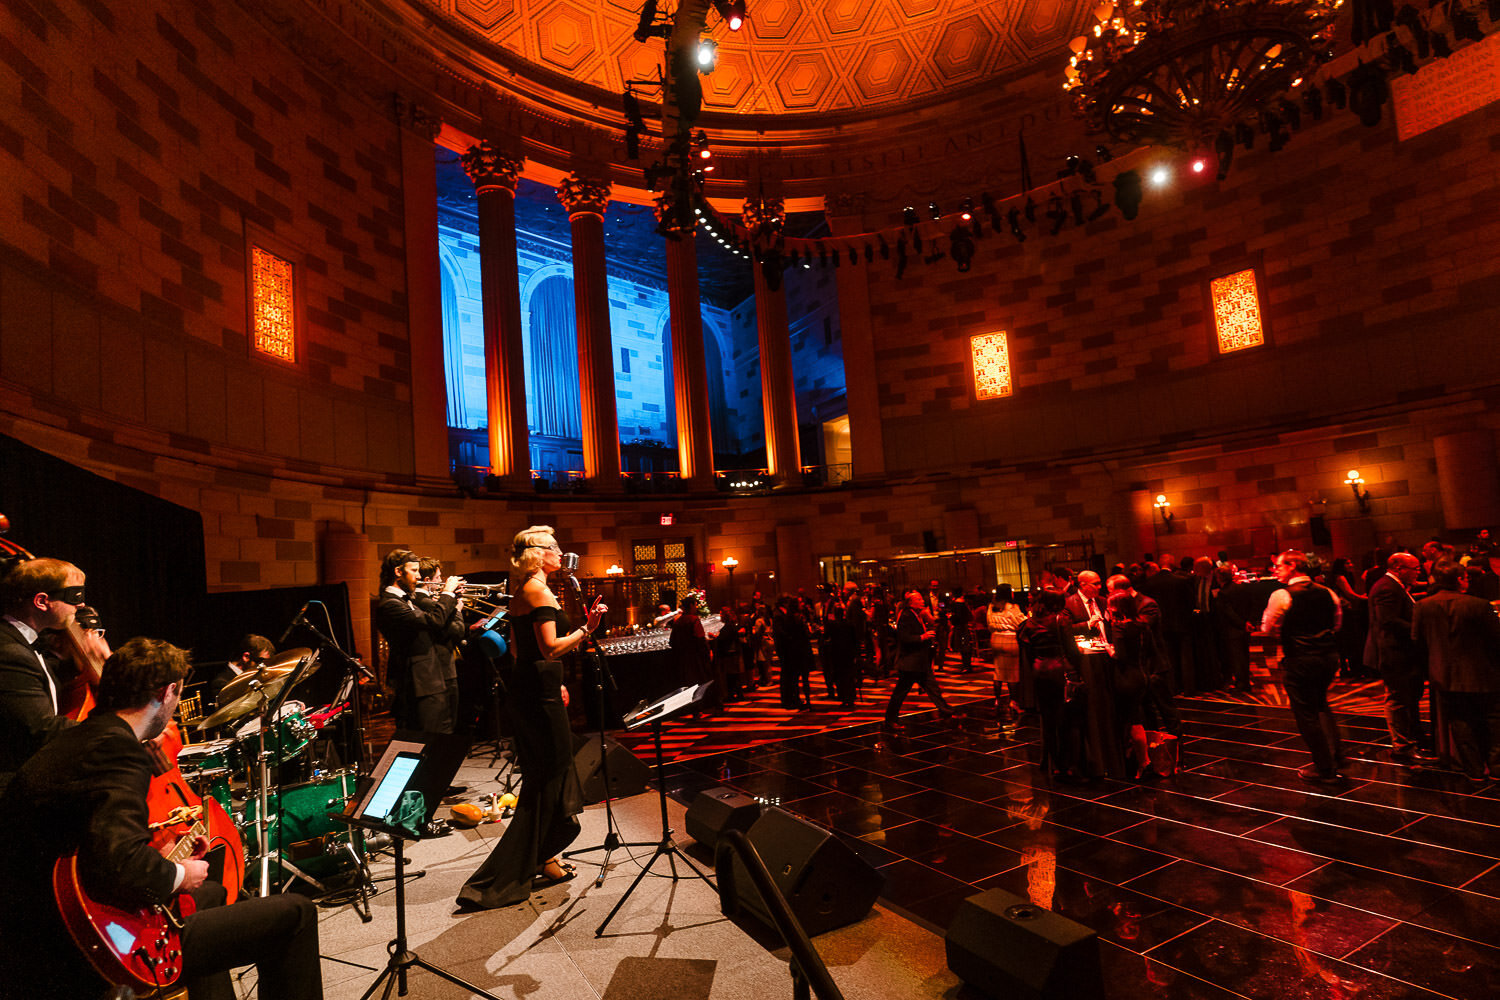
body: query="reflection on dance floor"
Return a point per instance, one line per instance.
(1233, 878)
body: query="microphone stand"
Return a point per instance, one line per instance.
(612, 839)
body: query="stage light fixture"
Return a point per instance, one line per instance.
(909, 215)
(966, 211)
(732, 11)
(1200, 164)
(1102, 153)
(708, 55)
(647, 27)
(1160, 176)
(1015, 225)
(934, 211)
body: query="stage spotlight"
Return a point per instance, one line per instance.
(934, 211)
(1015, 225)
(1102, 154)
(733, 13)
(708, 55)
(1160, 176)
(909, 215)
(966, 211)
(1200, 164)
(962, 245)
(705, 154)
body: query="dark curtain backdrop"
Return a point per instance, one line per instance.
(554, 357)
(142, 556)
(228, 616)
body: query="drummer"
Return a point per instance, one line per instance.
(254, 650)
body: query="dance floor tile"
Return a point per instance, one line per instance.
(978, 787)
(970, 859)
(881, 761)
(1244, 751)
(1323, 808)
(793, 762)
(1262, 967)
(866, 819)
(1488, 883)
(1203, 786)
(1416, 798)
(1039, 838)
(1122, 916)
(774, 787)
(1111, 860)
(1322, 926)
(907, 881)
(1160, 802)
(866, 784)
(1463, 914)
(937, 911)
(911, 839)
(1386, 853)
(963, 759)
(1475, 838)
(1219, 850)
(1376, 891)
(973, 818)
(1097, 818)
(824, 807)
(1234, 734)
(1140, 977)
(1453, 966)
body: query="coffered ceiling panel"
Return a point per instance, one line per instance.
(794, 57)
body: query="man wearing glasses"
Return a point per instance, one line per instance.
(35, 595)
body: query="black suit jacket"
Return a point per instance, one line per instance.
(1460, 636)
(85, 790)
(1390, 648)
(412, 631)
(27, 719)
(1078, 613)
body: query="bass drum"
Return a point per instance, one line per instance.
(300, 831)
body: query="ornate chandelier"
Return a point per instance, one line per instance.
(1183, 72)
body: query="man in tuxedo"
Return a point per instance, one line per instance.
(916, 634)
(1459, 636)
(1391, 651)
(412, 629)
(1173, 592)
(445, 642)
(254, 651)
(1086, 608)
(36, 595)
(1201, 626)
(1306, 616)
(91, 782)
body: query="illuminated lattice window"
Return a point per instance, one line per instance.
(991, 365)
(1236, 311)
(272, 321)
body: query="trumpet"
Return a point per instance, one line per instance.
(487, 598)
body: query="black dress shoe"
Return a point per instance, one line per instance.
(1310, 772)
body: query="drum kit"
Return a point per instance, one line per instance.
(285, 824)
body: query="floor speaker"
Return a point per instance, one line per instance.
(628, 774)
(1004, 946)
(826, 884)
(717, 810)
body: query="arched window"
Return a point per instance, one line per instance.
(453, 352)
(554, 407)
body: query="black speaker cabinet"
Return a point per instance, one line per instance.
(717, 810)
(628, 775)
(1004, 946)
(826, 884)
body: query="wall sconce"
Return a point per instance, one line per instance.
(614, 570)
(730, 562)
(1167, 517)
(1354, 482)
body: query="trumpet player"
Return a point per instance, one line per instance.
(416, 625)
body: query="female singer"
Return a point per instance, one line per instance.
(545, 819)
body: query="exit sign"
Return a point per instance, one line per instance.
(668, 520)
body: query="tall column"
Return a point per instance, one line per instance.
(424, 301)
(586, 201)
(494, 175)
(778, 394)
(695, 449)
(857, 335)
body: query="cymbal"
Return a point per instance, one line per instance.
(250, 699)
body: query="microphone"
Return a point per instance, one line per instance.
(292, 627)
(570, 566)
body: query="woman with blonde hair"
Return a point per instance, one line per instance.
(545, 819)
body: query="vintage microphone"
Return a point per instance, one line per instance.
(570, 567)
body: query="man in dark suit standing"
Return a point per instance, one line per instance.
(90, 782)
(1392, 652)
(1161, 714)
(36, 595)
(1306, 616)
(411, 629)
(445, 643)
(1459, 636)
(1173, 592)
(1086, 608)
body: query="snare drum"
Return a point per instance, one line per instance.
(299, 818)
(287, 739)
(210, 767)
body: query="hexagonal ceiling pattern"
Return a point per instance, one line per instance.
(795, 57)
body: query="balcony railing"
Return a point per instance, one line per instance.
(474, 479)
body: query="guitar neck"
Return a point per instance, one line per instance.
(183, 849)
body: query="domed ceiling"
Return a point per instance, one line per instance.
(818, 58)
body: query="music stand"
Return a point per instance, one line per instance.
(653, 715)
(413, 765)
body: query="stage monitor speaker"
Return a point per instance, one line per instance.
(717, 810)
(628, 774)
(1004, 946)
(826, 884)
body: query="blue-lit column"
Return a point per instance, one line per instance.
(778, 393)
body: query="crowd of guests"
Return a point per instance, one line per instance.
(1168, 626)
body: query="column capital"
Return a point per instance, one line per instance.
(764, 217)
(413, 115)
(582, 195)
(491, 170)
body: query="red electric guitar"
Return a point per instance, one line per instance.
(141, 949)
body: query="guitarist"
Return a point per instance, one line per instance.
(35, 595)
(85, 791)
